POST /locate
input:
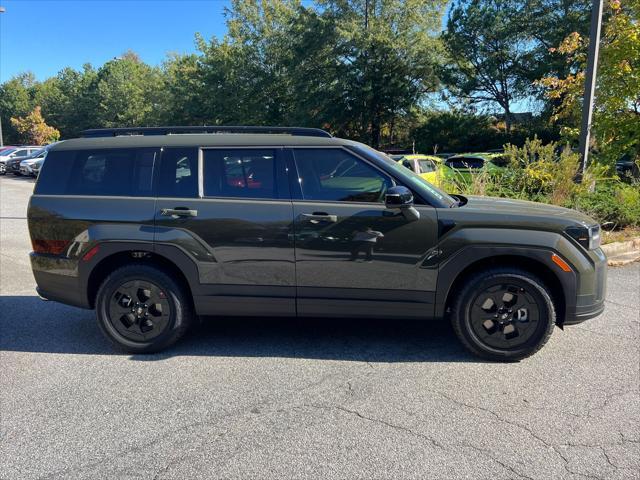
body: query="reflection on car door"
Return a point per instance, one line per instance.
(235, 222)
(354, 256)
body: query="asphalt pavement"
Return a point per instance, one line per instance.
(308, 399)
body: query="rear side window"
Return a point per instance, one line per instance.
(112, 172)
(243, 173)
(178, 173)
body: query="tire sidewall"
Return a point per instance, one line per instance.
(127, 274)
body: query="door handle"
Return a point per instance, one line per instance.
(320, 217)
(178, 212)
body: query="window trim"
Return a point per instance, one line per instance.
(296, 178)
(278, 157)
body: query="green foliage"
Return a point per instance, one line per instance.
(488, 44)
(460, 132)
(614, 204)
(128, 93)
(544, 173)
(616, 120)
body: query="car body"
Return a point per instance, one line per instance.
(461, 168)
(152, 228)
(427, 166)
(36, 166)
(27, 163)
(628, 168)
(9, 155)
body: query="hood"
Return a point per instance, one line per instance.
(524, 208)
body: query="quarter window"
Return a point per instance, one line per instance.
(335, 175)
(113, 172)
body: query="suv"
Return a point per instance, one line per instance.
(152, 227)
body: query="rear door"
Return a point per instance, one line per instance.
(230, 211)
(354, 257)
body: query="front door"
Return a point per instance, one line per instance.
(230, 210)
(355, 257)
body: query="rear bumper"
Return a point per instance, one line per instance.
(57, 280)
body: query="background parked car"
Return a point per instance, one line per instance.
(15, 152)
(627, 169)
(37, 165)
(427, 166)
(461, 167)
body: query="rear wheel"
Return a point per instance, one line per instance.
(141, 309)
(503, 314)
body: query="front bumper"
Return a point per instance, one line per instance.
(590, 301)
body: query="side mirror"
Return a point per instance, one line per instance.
(401, 198)
(398, 197)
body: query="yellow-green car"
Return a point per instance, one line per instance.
(427, 166)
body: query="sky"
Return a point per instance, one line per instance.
(44, 36)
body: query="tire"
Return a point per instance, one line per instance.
(166, 316)
(494, 326)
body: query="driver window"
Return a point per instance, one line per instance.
(336, 175)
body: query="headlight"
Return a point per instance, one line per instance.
(588, 237)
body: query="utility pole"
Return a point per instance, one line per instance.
(2, 10)
(366, 14)
(590, 85)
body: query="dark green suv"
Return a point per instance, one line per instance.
(155, 226)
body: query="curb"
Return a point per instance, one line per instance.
(622, 253)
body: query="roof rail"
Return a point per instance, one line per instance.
(127, 131)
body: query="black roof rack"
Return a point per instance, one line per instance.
(117, 132)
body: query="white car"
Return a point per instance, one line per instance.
(14, 152)
(25, 165)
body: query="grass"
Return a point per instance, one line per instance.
(622, 235)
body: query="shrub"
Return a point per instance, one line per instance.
(546, 173)
(614, 204)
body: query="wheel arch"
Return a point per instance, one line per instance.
(562, 285)
(113, 255)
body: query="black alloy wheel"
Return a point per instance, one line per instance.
(503, 314)
(141, 309)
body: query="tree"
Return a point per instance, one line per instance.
(15, 100)
(128, 93)
(33, 129)
(616, 120)
(387, 57)
(489, 48)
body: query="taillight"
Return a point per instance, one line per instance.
(52, 247)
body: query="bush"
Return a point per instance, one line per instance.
(546, 173)
(614, 204)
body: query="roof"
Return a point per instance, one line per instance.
(420, 156)
(198, 140)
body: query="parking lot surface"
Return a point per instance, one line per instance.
(273, 398)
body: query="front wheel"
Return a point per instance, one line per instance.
(503, 314)
(141, 309)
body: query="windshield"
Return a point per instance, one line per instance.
(418, 183)
(8, 151)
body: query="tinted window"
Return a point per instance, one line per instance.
(462, 163)
(427, 166)
(178, 173)
(235, 173)
(113, 172)
(334, 174)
